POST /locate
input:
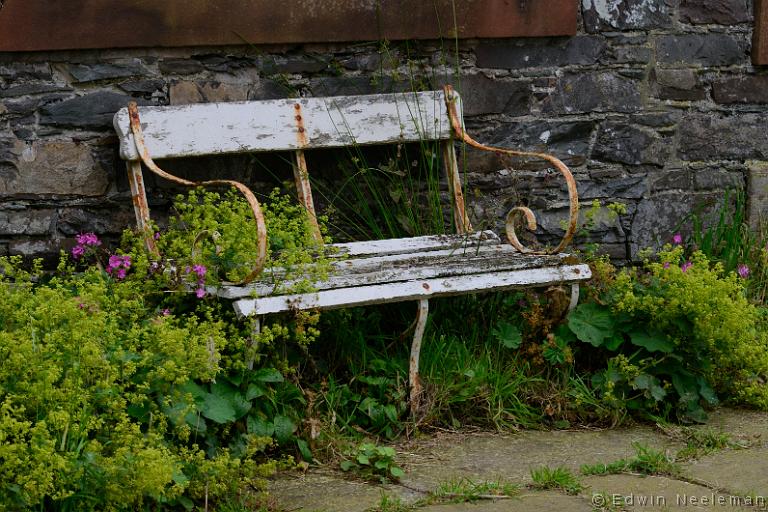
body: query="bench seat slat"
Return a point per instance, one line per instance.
(418, 243)
(426, 265)
(271, 125)
(413, 290)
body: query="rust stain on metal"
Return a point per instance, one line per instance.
(261, 228)
(573, 195)
(301, 176)
(30, 25)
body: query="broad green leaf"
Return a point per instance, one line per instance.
(508, 335)
(259, 426)
(381, 464)
(218, 409)
(652, 341)
(346, 465)
(614, 342)
(706, 392)
(304, 450)
(396, 472)
(197, 391)
(253, 391)
(268, 375)
(591, 323)
(233, 396)
(650, 384)
(363, 459)
(284, 428)
(686, 386)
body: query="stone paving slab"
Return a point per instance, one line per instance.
(542, 501)
(510, 458)
(630, 492)
(325, 493)
(742, 472)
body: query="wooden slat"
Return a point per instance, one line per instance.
(760, 38)
(417, 243)
(418, 266)
(241, 127)
(29, 25)
(412, 290)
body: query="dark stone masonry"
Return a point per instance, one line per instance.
(654, 104)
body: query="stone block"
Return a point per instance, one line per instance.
(626, 55)
(82, 73)
(540, 52)
(29, 89)
(112, 220)
(569, 141)
(722, 137)
(26, 221)
(710, 49)
(671, 179)
(92, 111)
(757, 193)
(16, 71)
(351, 85)
(602, 15)
(51, 168)
(225, 63)
(718, 12)
(179, 66)
(633, 145)
(741, 89)
(676, 84)
(718, 178)
(598, 91)
(483, 95)
(293, 64)
(142, 86)
(186, 92)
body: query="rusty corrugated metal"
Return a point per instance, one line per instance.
(27, 25)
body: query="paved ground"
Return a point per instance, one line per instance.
(732, 478)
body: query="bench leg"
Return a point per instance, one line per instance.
(574, 297)
(255, 331)
(413, 371)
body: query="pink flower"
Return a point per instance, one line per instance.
(199, 270)
(685, 266)
(118, 265)
(666, 264)
(200, 293)
(157, 235)
(166, 312)
(88, 239)
(677, 239)
(78, 251)
(743, 271)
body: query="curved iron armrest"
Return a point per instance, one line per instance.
(524, 210)
(261, 227)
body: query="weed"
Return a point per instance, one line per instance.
(647, 461)
(465, 490)
(373, 462)
(700, 441)
(389, 503)
(558, 478)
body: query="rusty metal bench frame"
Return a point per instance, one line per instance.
(419, 267)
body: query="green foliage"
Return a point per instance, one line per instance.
(647, 461)
(555, 478)
(94, 400)
(373, 462)
(464, 490)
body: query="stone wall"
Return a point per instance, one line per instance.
(654, 104)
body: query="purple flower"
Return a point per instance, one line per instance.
(157, 235)
(118, 265)
(677, 239)
(685, 266)
(88, 239)
(743, 271)
(200, 293)
(199, 270)
(666, 264)
(78, 251)
(166, 312)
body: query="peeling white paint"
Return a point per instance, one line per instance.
(544, 137)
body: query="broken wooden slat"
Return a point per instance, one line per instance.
(251, 126)
(412, 290)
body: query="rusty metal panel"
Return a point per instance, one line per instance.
(760, 40)
(29, 25)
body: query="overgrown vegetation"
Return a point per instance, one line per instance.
(120, 389)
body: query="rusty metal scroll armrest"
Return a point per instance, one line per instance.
(261, 228)
(573, 196)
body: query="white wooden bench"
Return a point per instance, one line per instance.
(373, 272)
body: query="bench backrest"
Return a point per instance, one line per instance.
(286, 125)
